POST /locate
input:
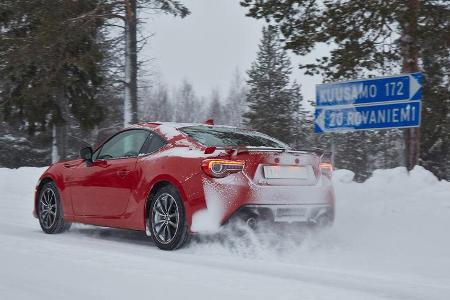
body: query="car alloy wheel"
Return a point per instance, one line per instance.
(48, 208)
(166, 218)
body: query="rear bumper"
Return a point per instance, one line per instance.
(236, 195)
(287, 213)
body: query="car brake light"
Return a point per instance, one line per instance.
(326, 169)
(220, 168)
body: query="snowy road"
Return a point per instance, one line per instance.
(390, 241)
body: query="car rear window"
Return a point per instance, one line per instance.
(230, 136)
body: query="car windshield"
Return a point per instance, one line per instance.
(230, 136)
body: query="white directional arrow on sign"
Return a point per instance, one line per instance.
(320, 120)
(414, 86)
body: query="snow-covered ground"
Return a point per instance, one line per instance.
(390, 241)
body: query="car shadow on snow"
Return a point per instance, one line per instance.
(240, 240)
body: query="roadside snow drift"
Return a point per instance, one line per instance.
(390, 241)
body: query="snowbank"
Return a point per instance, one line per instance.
(394, 214)
(16, 183)
(393, 225)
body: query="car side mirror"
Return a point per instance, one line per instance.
(86, 153)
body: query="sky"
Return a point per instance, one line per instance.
(207, 46)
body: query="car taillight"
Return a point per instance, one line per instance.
(220, 168)
(326, 169)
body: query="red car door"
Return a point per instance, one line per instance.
(103, 187)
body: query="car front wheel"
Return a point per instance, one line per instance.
(50, 214)
(167, 219)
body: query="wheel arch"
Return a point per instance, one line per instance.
(160, 182)
(44, 180)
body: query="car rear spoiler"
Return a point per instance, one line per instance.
(322, 154)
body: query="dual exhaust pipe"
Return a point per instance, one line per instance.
(320, 219)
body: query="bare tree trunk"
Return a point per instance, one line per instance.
(410, 54)
(61, 140)
(131, 66)
(55, 155)
(59, 134)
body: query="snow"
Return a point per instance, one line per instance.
(168, 131)
(181, 125)
(208, 220)
(12, 138)
(181, 152)
(390, 241)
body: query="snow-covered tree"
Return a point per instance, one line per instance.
(52, 66)
(271, 97)
(235, 101)
(157, 106)
(216, 111)
(130, 10)
(127, 12)
(372, 37)
(187, 106)
(302, 126)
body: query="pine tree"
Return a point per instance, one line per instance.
(235, 102)
(270, 96)
(390, 148)
(157, 104)
(352, 153)
(187, 106)
(127, 11)
(51, 66)
(216, 110)
(18, 149)
(435, 53)
(131, 8)
(302, 120)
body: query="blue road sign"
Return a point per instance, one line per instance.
(375, 103)
(405, 87)
(350, 118)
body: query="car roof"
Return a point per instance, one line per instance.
(179, 125)
(171, 129)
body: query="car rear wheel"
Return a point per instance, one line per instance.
(167, 221)
(50, 214)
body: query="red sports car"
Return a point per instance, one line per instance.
(165, 178)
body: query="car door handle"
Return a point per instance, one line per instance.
(123, 173)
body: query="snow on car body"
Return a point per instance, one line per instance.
(160, 177)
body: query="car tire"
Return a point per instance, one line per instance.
(50, 211)
(167, 219)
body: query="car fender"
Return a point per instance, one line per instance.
(173, 181)
(54, 173)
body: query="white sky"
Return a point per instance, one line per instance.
(207, 46)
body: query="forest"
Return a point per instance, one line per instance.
(70, 75)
